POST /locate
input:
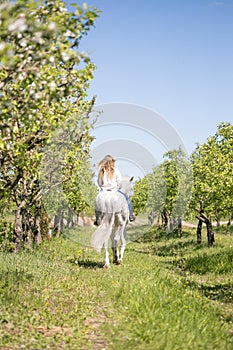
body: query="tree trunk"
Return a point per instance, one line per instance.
(210, 233)
(31, 225)
(199, 231)
(41, 223)
(21, 226)
(18, 230)
(151, 217)
(179, 226)
(70, 218)
(217, 218)
(37, 223)
(58, 224)
(45, 223)
(171, 224)
(28, 227)
(164, 220)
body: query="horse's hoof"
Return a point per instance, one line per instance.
(106, 266)
(117, 261)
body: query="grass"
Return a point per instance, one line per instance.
(169, 294)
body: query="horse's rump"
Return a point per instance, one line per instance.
(111, 202)
(111, 208)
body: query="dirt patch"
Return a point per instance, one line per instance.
(94, 332)
(188, 224)
(85, 221)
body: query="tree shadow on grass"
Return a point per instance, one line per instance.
(173, 248)
(169, 249)
(217, 262)
(158, 235)
(87, 264)
(134, 233)
(219, 292)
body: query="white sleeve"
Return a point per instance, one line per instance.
(118, 176)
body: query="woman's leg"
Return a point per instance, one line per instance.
(131, 216)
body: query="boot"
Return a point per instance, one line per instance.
(132, 217)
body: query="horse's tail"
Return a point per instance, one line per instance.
(102, 234)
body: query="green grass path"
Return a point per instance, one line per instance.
(59, 297)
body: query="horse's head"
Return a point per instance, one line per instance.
(126, 185)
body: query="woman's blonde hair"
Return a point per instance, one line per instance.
(107, 165)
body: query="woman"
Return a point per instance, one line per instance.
(109, 179)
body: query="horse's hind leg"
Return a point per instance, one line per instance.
(123, 243)
(115, 250)
(117, 258)
(109, 220)
(98, 217)
(119, 235)
(106, 258)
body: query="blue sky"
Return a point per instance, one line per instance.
(173, 57)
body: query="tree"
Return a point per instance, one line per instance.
(140, 196)
(213, 179)
(157, 191)
(178, 182)
(44, 82)
(66, 178)
(166, 192)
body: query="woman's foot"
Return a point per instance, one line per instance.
(132, 217)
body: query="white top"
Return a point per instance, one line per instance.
(108, 184)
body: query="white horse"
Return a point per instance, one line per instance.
(112, 214)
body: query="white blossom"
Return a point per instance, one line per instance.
(23, 43)
(38, 95)
(52, 59)
(52, 85)
(2, 46)
(19, 25)
(21, 76)
(65, 56)
(52, 26)
(70, 34)
(38, 38)
(63, 9)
